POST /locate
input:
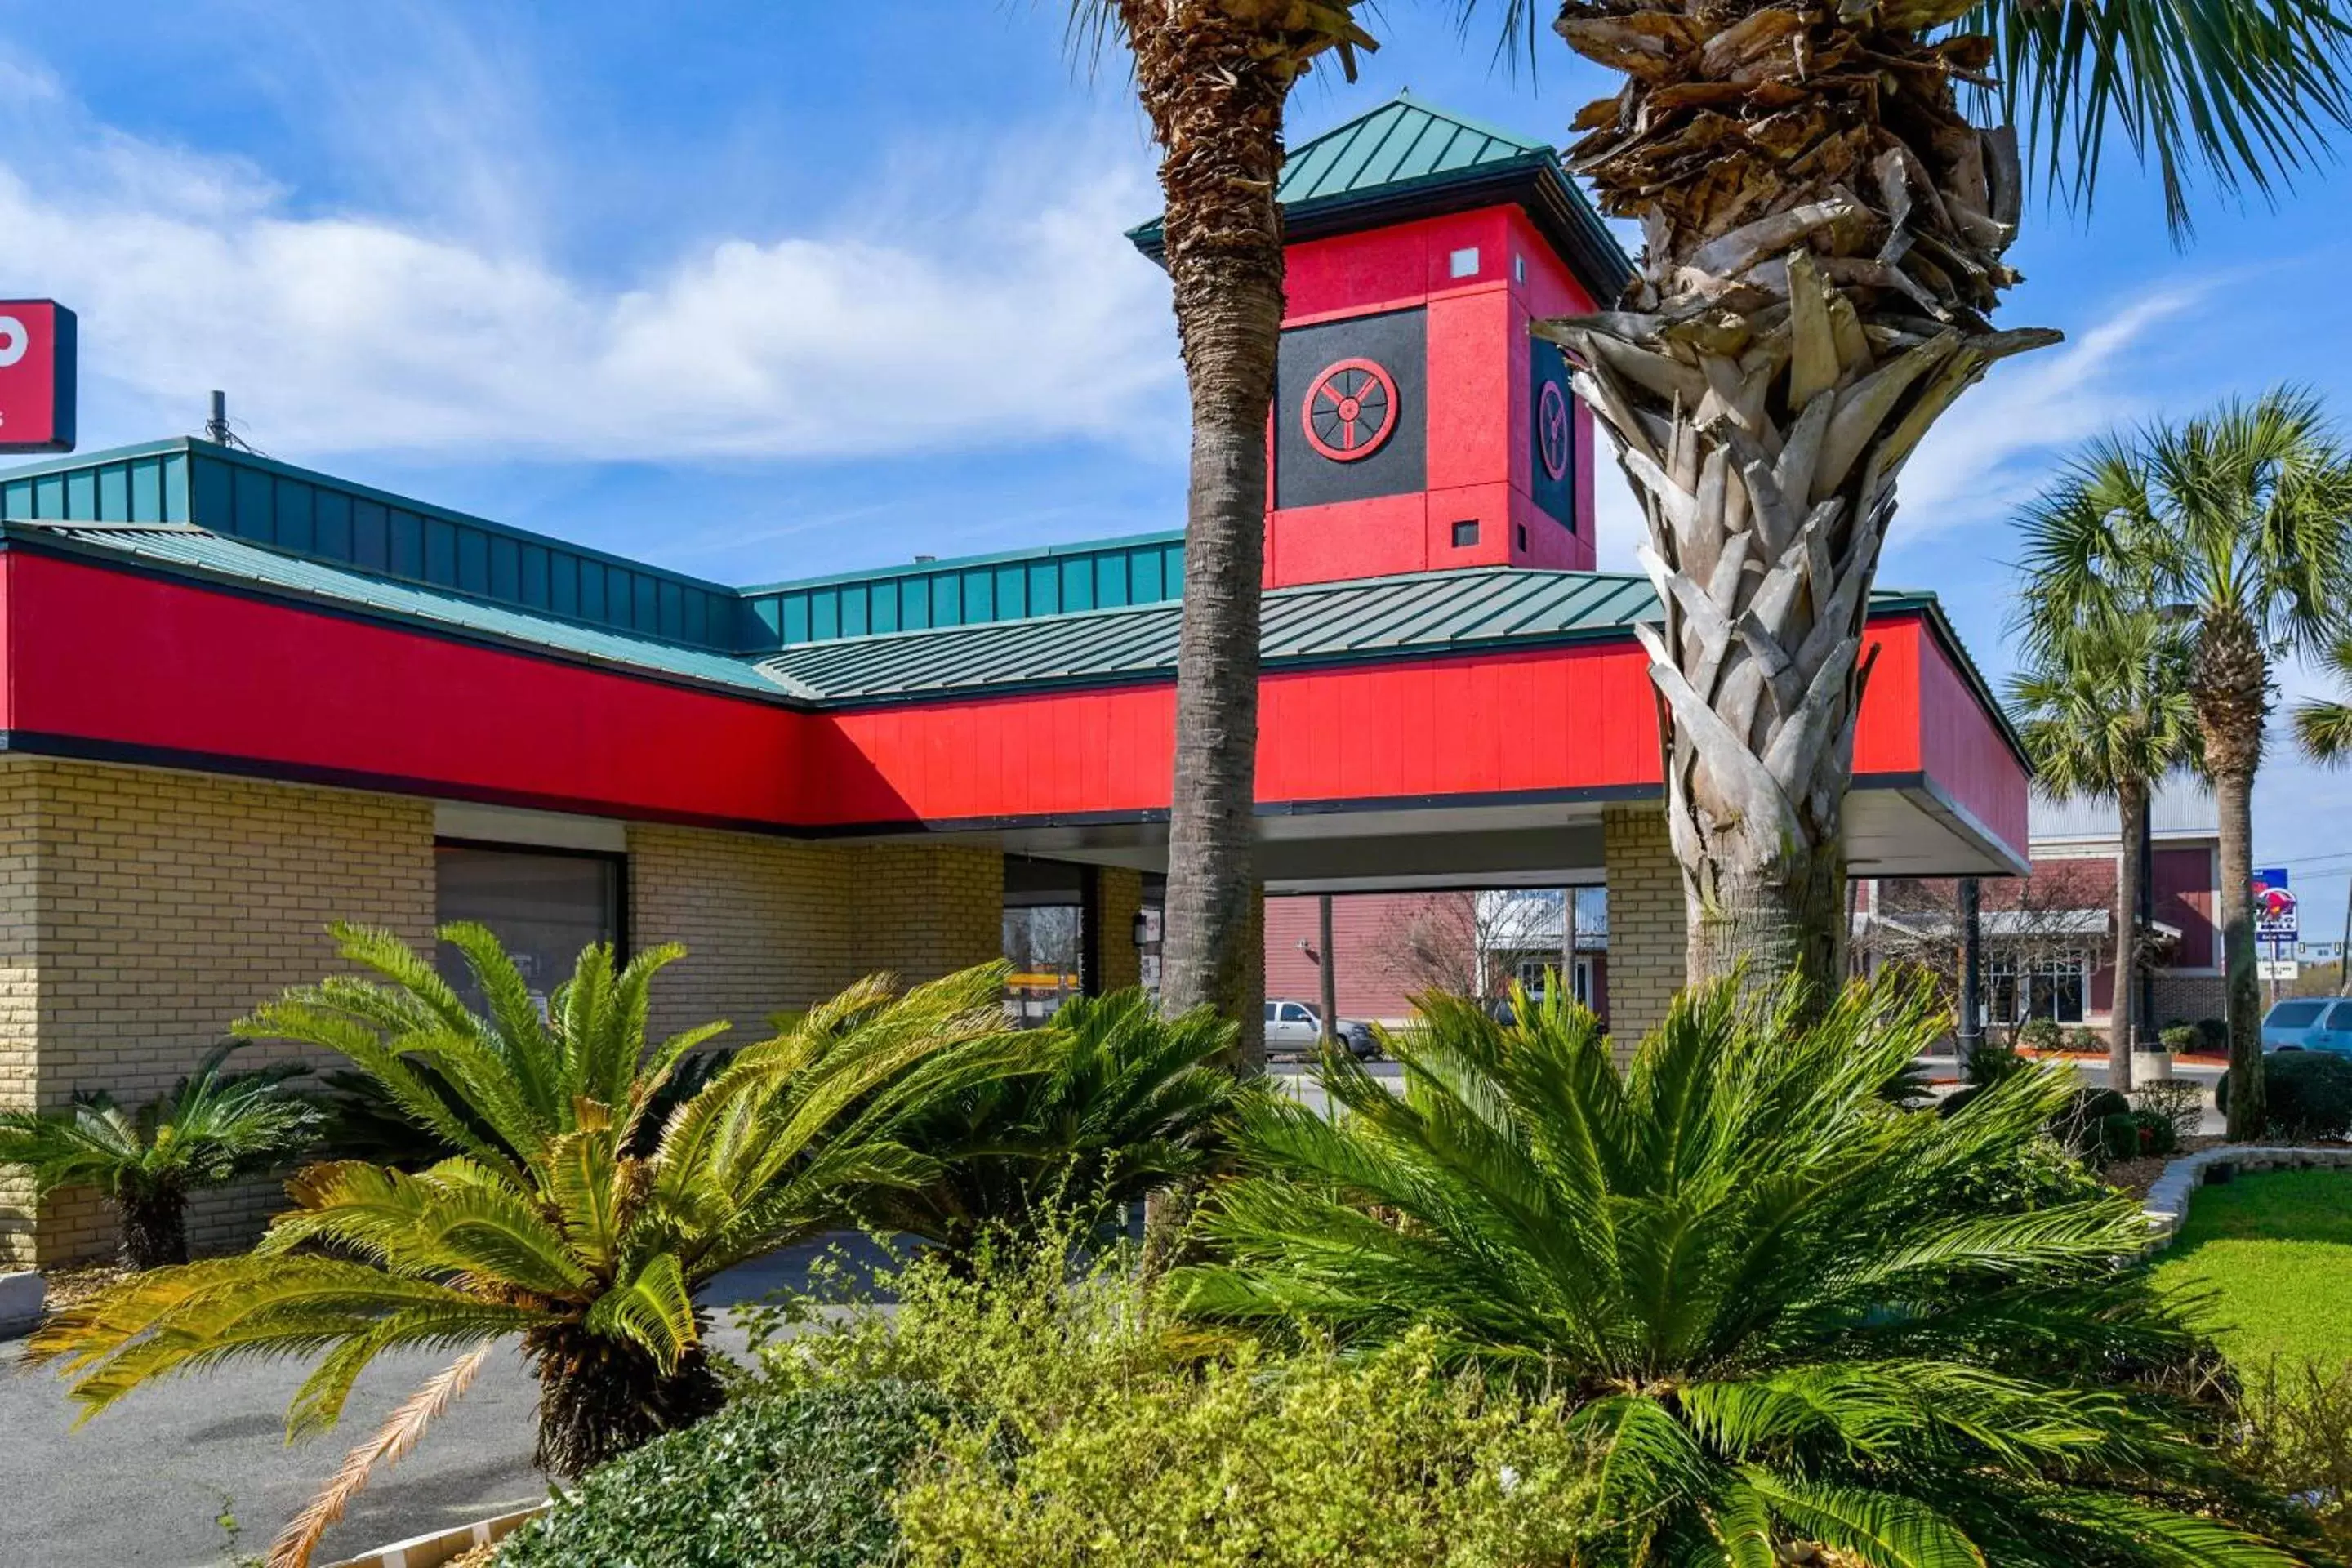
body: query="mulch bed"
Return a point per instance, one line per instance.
(2137, 1176)
(72, 1286)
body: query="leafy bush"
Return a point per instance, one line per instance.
(1788, 1329)
(801, 1481)
(2042, 1035)
(1096, 1429)
(2177, 1102)
(2294, 1438)
(1304, 1461)
(2309, 1094)
(1995, 1060)
(2082, 1042)
(2134, 1134)
(2082, 1117)
(2213, 1036)
(2179, 1037)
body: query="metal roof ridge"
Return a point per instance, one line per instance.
(966, 563)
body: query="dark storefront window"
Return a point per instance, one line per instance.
(545, 905)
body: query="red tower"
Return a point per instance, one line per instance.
(1416, 424)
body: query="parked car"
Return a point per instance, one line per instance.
(1295, 1029)
(2309, 1024)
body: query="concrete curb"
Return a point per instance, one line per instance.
(2167, 1200)
(21, 1298)
(444, 1545)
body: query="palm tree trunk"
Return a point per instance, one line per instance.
(1214, 84)
(1824, 235)
(154, 1226)
(2232, 681)
(599, 1399)
(2131, 804)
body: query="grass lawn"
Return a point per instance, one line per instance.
(2274, 1252)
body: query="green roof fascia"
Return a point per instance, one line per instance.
(967, 562)
(225, 562)
(78, 460)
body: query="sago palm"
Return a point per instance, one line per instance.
(211, 1129)
(1784, 1324)
(1215, 79)
(2105, 711)
(1110, 1101)
(544, 1227)
(2243, 515)
(1823, 231)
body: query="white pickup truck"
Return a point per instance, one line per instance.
(1295, 1029)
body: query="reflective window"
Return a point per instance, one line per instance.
(2340, 1015)
(2295, 1014)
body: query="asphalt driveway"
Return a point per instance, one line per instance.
(142, 1485)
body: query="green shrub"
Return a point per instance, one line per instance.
(2179, 1037)
(2294, 1438)
(2309, 1094)
(2083, 1042)
(2082, 1117)
(2119, 1136)
(1993, 1061)
(2158, 1132)
(1299, 1461)
(2176, 1101)
(2040, 1035)
(800, 1481)
(2213, 1036)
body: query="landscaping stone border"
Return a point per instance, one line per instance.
(21, 1296)
(444, 1545)
(2167, 1200)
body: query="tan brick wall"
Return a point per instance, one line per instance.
(765, 923)
(167, 905)
(922, 910)
(1122, 894)
(19, 927)
(1647, 950)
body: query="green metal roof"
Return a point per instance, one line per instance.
(1402, 141)
(1430, 612)
(184, 549)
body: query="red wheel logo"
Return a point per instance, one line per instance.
(1349, 411)
(1552, 432)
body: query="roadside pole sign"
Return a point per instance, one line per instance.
(38, 354)
(2276, 919)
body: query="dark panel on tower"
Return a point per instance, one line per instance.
(1551, 404)
(1351, 410)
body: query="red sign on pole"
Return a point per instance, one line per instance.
(37, 376)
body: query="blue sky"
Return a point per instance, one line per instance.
(765, 290)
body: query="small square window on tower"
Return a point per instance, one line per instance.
(1464, 262)
(1465, 534)
(1519, 268)
(1523, 536)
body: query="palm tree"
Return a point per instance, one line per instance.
(2106, 714)
(1823, 234)
(2244, 516)
(1215, 77)
(1783, 1321)
(1113, 1103)
(2322, 728)
(211, 1129)
(545, 1227)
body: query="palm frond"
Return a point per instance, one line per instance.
(391, 1443)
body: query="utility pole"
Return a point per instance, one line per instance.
(1971, 1026)
(217, 427)
(2344, 954)
(1329, 976)
(1568, 944)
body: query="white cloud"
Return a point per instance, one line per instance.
(1996, 445)
(1016, 315)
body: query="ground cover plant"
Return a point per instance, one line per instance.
(214, 1127)
(1778, 1321)
(2273, 1251)
(799, 1480)
(546, 1227)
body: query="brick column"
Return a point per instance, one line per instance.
(1118, 897)
(1647, 946)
